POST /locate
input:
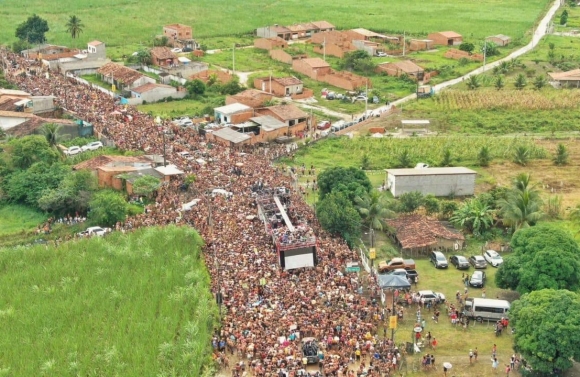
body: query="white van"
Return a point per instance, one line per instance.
(482, 309)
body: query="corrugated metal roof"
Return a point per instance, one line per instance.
(430, 171)
(268, 123)
(234, 108)
(231, 135)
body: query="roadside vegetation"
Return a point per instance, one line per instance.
(120, 305)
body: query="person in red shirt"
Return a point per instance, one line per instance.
(434, 343)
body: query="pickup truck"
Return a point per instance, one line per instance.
(407, 264)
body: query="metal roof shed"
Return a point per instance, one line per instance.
(231, 136)
(451, 181)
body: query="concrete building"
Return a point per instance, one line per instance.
(402, 67)
(499, 40)
(311, 67)
(229, 137)
(274, 31)
(162, 57)
(234, 113)
(446, 38)
(250, 97)
(123, 77)
(279, 86)
(293, 117)
(179, 35)
(568, 79)
(456, 181)
(156, 92)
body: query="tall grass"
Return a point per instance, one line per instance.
(383, 152)
(16, 218)
(129, 21)
(126, 305)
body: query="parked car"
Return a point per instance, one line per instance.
(395, 263)
(176, 50)
(330, 96)
(438, 259)
(92, 146)
(187, 49)
(97, 231)
(460, 262)
(477, 279)
(421, 165)
(323, 125)
(431, 296)
(310, 350)
(493, 258)
(477, 261)
(72, 151)
(381, 54)
(412, 274)
(359, 98)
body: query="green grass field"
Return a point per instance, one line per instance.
(129, 22)
(125, 305)
(16, 218)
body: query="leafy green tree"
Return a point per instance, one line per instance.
(374, 208)
(467, 47)
(232, 87)
(547, 323)
(74, 26)
(144, 56)
(522, 155)
(19, 46)
(195, 87)
(338, 216)
(404, 159)
(520, 82)
(365, 162)
(27, 186)
(27, 150)
(522, 205)
(473, 82)
(540, 82)
(544, 256)
(107, 207)
(489, 49)
(358, 61)
(564, 17)
(473, 216)
(352, 181)
(431, 204)
(146, 185)
(561, 157)
(52, 133)
(499, 82)
(410, 201)
(32, 30)
(73, 194)
(484, 156)
(447, 159)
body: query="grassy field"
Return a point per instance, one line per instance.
(454, 342)
(128, 22)
(125, 305)
(18, 219)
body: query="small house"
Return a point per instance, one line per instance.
(177, 32)
(568, 79)
(163, 56)
(311, 67)
(279, 86)
(270, 43)
(124, 78)
(151, 92)
(403, 67)
(446, 38)
(230, 138)
(499, 40)
(323, 26)
(292, 116)
(249, 97)
(274, 31)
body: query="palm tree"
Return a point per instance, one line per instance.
(74, 26)
(522, 206)
(473, 82)
(520, 82)
(51, 132)
(499, 82)
(374, 208)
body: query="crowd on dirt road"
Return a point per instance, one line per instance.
(266, 311)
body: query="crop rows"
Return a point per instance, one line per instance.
(507, 99)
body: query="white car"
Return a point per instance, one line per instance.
(97, 231)
(381, 54)
(359, 98)
(493, 258)
(72, 151)
(188, 206)
(185, 155)
(92, 146)
(176, 50)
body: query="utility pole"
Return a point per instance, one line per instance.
(485, 53)
(404, 43)
(324, 49)
(367, 97)
(234, 59)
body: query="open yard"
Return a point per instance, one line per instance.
(17, 218)
(128, 22)
(125, 305)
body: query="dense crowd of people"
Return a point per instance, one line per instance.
(266, 311)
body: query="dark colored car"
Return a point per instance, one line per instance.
(310, 350)
(412, 274)
(477, 261)
(478, 279)
(460, 262)
(438, 259)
